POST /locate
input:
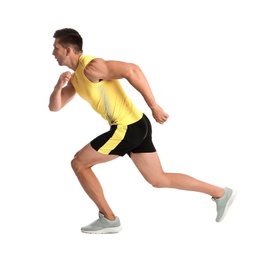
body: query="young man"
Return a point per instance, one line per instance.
(97, 81)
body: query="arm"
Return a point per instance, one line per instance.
(61, 94)
(99, 69)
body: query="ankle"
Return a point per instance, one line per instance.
(220, 193)
(109, 216)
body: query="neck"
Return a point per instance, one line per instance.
(74, 62)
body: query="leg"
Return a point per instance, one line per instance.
(150, 167)
(81, 164)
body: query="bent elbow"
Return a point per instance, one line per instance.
(135, 68)
(134, 71)
(53, 109)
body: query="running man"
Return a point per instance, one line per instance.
(97, 81)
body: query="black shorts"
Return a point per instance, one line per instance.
(124, 139)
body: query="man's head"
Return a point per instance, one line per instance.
(68, 43)
(69, 37)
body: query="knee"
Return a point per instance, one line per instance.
(77, 165)
(160, 182)
(157, 183)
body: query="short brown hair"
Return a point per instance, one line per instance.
(68, 36)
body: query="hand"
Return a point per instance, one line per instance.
(64, 78)
(159, 114)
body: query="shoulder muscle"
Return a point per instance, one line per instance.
(99, 69)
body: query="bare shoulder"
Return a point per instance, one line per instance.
(99, 68)
(100, 63)
(94, 69)
(96, 63)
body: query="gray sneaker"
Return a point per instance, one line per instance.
(223, 204)
(103, 226)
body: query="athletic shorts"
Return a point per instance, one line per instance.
(124, 139)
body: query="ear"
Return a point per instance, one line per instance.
(68, 51)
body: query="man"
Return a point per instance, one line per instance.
(97, 81)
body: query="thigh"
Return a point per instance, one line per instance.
(149, 166)
(89, 156)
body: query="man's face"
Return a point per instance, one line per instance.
(59, 52)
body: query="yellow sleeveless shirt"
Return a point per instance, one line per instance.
(106, 97)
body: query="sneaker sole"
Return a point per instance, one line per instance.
(229, 203)
(103, 231)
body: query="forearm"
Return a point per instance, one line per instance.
(63, 92)
(55, 101)
(138, 80)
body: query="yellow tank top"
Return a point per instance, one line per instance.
(106, 97)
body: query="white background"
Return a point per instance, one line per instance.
(203, 62)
